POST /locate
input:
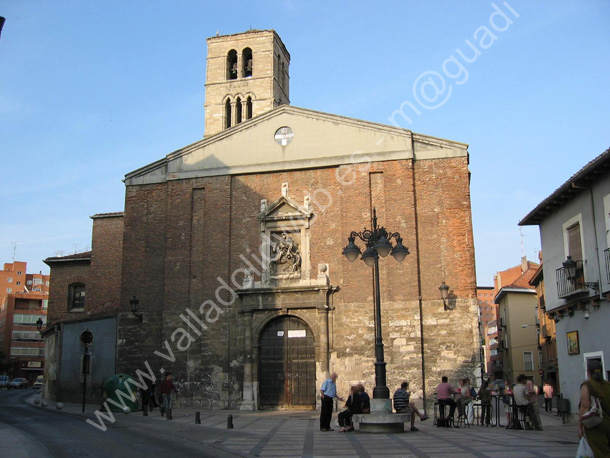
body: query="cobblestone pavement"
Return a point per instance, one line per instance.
(297, 434)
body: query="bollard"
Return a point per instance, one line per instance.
(169, 414)
(145, 409)
(197, 418)
(230, 422)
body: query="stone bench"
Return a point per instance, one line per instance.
(381, 422)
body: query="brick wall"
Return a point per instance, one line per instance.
(62, 275)
(103, 289)
(181, 236)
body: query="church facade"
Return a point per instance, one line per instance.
(232, 247)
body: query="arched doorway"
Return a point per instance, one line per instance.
(287, 364)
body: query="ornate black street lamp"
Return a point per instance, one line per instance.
(571, 270)
(378, 243)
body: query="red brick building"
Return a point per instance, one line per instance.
(87, 284)
(23, 301)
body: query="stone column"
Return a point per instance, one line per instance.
(247, 402)
(323, 348)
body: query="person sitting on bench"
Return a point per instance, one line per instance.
(402, 404)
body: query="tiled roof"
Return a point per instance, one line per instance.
(598, 166)
(524, 280)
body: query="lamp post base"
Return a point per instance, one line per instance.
(381, 392)
(381, 405)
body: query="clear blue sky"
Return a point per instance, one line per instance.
(92, 90)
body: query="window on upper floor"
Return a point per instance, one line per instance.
(38, 281)
(572, 238)
(76, 297)
(19, 273)
(528, 361)
(27, 351)
(18, 283)
(28, 319)
(574, 242)
(9, 290)
(9, 279)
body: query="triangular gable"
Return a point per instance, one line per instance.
(317, 140)
(284, 209)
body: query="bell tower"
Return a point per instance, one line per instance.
(247, 75)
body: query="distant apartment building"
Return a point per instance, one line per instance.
(547, 342)
(23, 301)
(517, 323)
(487, 318)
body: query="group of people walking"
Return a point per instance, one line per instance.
(167, 390)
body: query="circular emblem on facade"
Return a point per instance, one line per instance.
(283, 135)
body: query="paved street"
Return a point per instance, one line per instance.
(31, 431)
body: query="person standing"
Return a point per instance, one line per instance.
(532, 397)
(599, 436)
(167, 386)
(402, 404)
(328, 392)
(508, 403)
(520, 393)
(548, 397)
(444, 392)
(485, 397)
(148, 396)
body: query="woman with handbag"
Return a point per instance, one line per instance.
(598, 436)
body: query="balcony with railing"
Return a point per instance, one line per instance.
(567, 287)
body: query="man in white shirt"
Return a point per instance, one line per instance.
(520, 393)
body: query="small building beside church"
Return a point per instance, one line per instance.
(232, 248)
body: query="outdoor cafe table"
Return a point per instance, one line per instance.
(495, 417)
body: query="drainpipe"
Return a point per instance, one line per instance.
(419, 293)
